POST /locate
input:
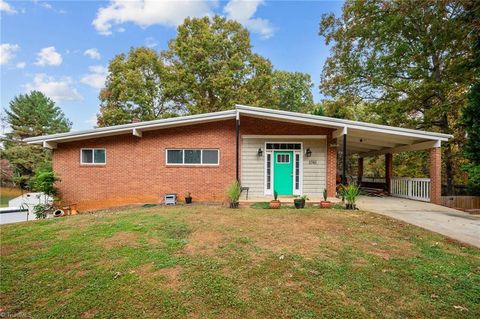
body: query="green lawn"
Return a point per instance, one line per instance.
(213, 262)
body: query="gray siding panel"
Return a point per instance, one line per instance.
(314, 167)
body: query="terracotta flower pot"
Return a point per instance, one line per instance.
(275, 204)
(325, 204)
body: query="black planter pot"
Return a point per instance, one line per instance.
(233, 204)
(299, 203)
(188, 200)
(351, 206)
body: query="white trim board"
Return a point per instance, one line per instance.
(302, 137)
(342, 126)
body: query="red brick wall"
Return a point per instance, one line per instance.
(135, 171)
(331, 167)
(436, 175)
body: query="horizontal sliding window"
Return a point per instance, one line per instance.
(93, 156)
(192, 157)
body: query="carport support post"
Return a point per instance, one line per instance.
(436, 175)
(344, 160)
(237, 146)
(360, 170)
(388, 171)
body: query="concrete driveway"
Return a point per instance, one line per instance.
(450, 222)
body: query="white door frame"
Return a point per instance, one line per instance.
(299, 152)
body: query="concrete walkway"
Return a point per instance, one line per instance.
(450, 222)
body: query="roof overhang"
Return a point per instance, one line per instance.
(362, 138)
(135, 129)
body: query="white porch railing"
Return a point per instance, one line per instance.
(413, 188)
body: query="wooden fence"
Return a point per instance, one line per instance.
(461, 202)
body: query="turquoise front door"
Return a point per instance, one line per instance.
(283, 173)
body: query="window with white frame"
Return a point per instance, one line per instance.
(192, 156)
(269, 171)
(93, 156)
(283, 158)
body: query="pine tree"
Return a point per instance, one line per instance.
(30, 115)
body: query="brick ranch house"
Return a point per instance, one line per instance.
(264, 149)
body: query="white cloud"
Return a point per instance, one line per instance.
(45, 5)
(48, 6)
(21, 65)
(92, 120)
(243, 12)
(148, 12)
(4, 6)
(48, 56)
(96, 77)
(150, 42)
(7, 52)
(57, 89)
(93, 54)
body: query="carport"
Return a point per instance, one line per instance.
(366, 140)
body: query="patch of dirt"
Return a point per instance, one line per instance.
(6, 249)
(203, 242)
(89, 313)
(170, 274)
(121, 239)
(387, 251)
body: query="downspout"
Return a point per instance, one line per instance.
(344, 161)
(237, 129)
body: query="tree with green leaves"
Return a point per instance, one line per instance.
(30, 115)
(292, 91)
(213, 67)
(135, 89)
(471, 121)
(471, 114)
(404, 61)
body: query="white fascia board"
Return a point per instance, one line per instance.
(299, 137)
(289, 118)
(128, 128)
(339, 123)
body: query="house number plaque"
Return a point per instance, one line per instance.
(312, 162)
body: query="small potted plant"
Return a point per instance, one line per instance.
(188, 198)
(299, 201)
(275, 203)
(325, 203)
(233, 194)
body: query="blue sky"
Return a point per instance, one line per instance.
(63, 47)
